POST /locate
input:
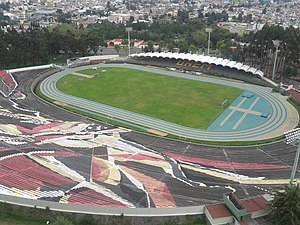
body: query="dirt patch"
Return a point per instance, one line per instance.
(83, 75)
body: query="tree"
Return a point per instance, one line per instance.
(150, 45)
(64, 17)
(200, 14)
(62, 221)
(117, 48)
(192, 49)
(240, 17)
(289, 71)
(161, 44)
(212, 17)
(125, 42)
(261, 49)
(183, 45)
(88, 220)
(109, 6)
(183, 15)
(170, 46)
(131, 19)
(199, 38)
(285, 208)
(224, 16)
(248, 18)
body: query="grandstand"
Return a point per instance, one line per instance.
(22, 173)
(7, 84)
(295, 94)
(9, 79)
(76, 62)
(200, 63)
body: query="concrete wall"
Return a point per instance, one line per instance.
(30, 68)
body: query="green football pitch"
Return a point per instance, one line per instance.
(177, 100)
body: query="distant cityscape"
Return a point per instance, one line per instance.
(237, 16)
(243, 31)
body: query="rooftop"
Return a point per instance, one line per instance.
(218, 211)
(255, 204)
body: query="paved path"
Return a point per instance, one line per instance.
(283, 118)
(96, 210)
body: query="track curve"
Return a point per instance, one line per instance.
(284, 117)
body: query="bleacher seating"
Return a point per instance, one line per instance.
(7, 79)
(295, 94)
(210, 65)
(235, 201)
(8, 83)
(22, 173)
(91, 197)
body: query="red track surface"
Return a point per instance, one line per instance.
(226, 165)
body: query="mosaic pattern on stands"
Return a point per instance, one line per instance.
(81, 163)
(88, 164)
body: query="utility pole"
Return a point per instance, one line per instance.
(276, 43)
(128, 29)
(293, 136)
(208, 30)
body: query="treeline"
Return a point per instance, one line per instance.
(188, 36)
(256, 49)
(40, 45)
(260, 50)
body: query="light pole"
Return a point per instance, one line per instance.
(293, 136)
(128, 29)
(276, 43)
(208, 30)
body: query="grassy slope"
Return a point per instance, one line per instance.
(181, 101)
(11, 215)
(10, 218)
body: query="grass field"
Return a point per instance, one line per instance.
(177, 100)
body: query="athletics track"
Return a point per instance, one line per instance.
(281, 117)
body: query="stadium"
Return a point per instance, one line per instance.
(52, 157)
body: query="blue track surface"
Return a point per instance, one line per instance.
(260, 105)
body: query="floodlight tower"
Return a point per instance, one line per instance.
(276, 43)
(208, 30)
(293, 136)
(128, 29)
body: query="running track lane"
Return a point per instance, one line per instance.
(283, 118)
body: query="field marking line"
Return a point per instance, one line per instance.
(246, 113)
(231, 113)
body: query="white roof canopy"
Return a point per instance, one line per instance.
(202, 59)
